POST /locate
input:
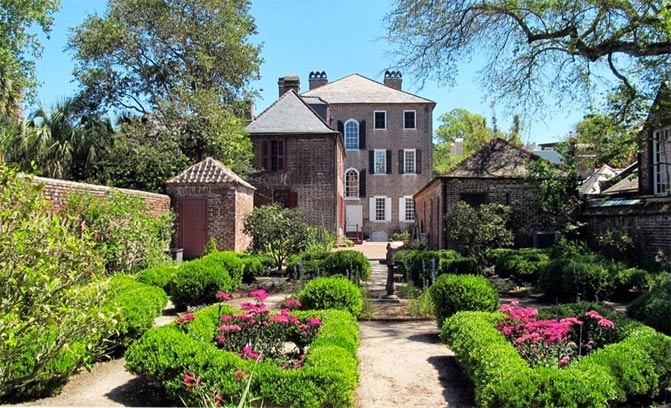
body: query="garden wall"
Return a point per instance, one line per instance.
(647, 221)
(58, 191)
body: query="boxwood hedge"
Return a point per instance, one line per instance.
(637, 366)
(328, 377)
(352, 264)
(423, 267)
(197, 282)
(332, 293)
(453, 293)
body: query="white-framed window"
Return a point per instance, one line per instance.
(352, 183)
(379, 208)
(352, 135)
(661, 160)
(379, 119)
(406, 209)
(409, 161)
(409, 119)
(379, 161)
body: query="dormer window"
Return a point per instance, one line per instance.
(661, 160)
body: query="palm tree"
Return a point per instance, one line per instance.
(11, 96)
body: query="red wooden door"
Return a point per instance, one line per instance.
(193, 233)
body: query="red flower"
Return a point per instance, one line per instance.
(223, 296)
(239, 375)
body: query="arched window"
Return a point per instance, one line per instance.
(352, 135)
(351, 183)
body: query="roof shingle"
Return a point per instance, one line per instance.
(208, 171)
(289, 115)
(357, 88)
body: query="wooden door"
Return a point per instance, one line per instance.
(193, 232)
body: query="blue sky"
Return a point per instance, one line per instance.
(337, 36)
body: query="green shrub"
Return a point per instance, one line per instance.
(422, 267)
(654, 307)
(454, 293)
(459, 266)
(160, 276)
(197, 281)
(630, 280)
(587, 276)
(332, 293)
(522, 265)
(136, 305)
(309, 263)
(328, 377)
(493, 255)
(240, 266)
(210, 246)
(352, 264)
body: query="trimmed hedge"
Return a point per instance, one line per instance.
(422, 267)
(329, 376)
(639, 365)
(453, 293)
(522, 265)
(198, 281)
(314, 264)
(654, 308)
(160, 276)
(332, 293)
(240, 266)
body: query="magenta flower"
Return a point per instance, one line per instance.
(232, 327)
(223, 296)
(239, 375)
(564, 361)
(191, 380)
(315, 322)
(259, 294)
(293, 303)
(606, 323)
(185, 319)
(226, 319)
(248, 352)
(594, 315)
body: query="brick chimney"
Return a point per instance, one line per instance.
(249, 112)
(288, 82)
(318, 79)
(393, 79)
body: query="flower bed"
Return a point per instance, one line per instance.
(637, 366)
(206, 356)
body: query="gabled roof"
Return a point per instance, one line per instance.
(208, 171)
(592, 185)
(289, 115)
(357, 88)
(496, 159)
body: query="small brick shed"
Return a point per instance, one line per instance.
(210, 200)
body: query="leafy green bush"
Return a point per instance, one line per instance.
(587, 276)
(654, 307)
(160, 275)
(332, 293)
(630, 280)
(197, 281)
(136, 305)
(126, 234)
(51, 292)
(239, 265)
(352, 264)
(522, 265)
(460, 266)
(454, 293)
(422, 267)
(493, 255)
(210, 246)
(328, 377)
(309, 263)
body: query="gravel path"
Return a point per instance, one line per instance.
(403, 364)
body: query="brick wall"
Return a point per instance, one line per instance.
(646, 220)
(58, 191)
(393, 138)
(430, 215)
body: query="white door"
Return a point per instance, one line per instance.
(353, 217)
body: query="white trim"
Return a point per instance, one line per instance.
(387, 209)
(661, 160)
(372, 209)
(414, 162)
(384, 155)
(385, 120)
(402, 208)
(415, 114)
(358, 183)
(358, 134)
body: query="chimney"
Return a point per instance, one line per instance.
(318, 79)
(288, 82)
(393, 79)
(249, 112)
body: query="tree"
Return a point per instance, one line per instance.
(277, 231)
(607, 139)
(459, 124)
(514, 136)
(185, 64)
(18, 44)
(538, 45)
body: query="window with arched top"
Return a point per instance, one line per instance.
(351, 183)
(352, 135)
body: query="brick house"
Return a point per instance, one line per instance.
(387, 136)
(210, 200)
(496, 173)
(646, 216)
(300, 158)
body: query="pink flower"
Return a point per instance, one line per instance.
(221, 340)
(191, 380)
(185, 319)
(248, 352)
(564, 361)
(293, 303)
(226, 319)
(232, 327)
(218, 400)
(594, 315)
(571, 321)
(239, 375)
(259, 294)
(315, 322)
(223, 296)
(606, 323)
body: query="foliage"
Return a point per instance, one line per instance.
(328, 377)
(277, 231)
(421, 267)
(537, 46)
(401, 236)
(522, 265)
(556, 191)
(126, 234)
(454, 293)
(421, 305)
(352, 264)
(19, 30)
(135, 306)
(478, 229)
(636, 366)
(50, 317)
(458, 124)
(210, 246)
(332, 293)
(320, 239)
(616, 243)
(654, 307)
(197, 282)
(607, 139)
(160, 276)
(240, 266)
(307, 264)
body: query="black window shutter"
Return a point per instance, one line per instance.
(341, 128)
(362, 134)
(371, 161)
(388, 161)
(400, 161)
(362, 183)
(418, 161)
